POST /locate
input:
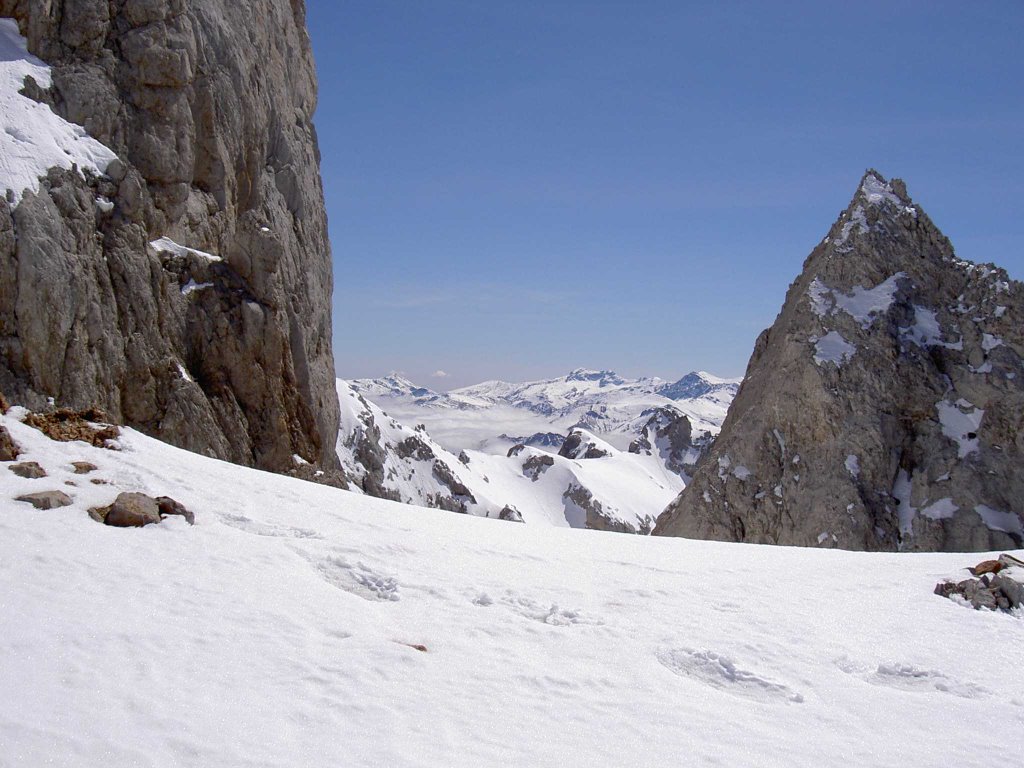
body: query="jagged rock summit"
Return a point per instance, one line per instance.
(884, 409)
(177, 275)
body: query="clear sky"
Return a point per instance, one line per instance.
(519, 188)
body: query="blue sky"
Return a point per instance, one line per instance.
(517, 189)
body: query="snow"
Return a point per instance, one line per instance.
(990, 342)
(166, 245)
(741, 472)
(1007, 522)
(192, 286)
(833, 348)
(858, 220)
(879, 192)
(104, 204)
(852, 464)
(277, 632)
(821, 298)
(926, 331)
(33, 138)
(999, 311)
(901, 491)
(865, 304)
(960, 420)
(184, 373)
(941, 509)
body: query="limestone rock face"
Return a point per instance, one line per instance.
(884, 409)
(187, 291)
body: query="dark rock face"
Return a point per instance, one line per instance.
(208, 105)
(882, 410)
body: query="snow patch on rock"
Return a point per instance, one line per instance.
(33, 138)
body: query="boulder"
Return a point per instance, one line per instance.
(83, 467)
(46, 499)
(130, 510)
(28, 469)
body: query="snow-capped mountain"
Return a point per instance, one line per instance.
(596, 486)
(494, 415)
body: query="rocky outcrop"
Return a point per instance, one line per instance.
(999, 586)
(579, 444)
(669, 435)
(883, 409)
(185, 291)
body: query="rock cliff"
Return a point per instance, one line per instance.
(185, 288)
(884, 409)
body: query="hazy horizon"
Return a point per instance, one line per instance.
(515, 191)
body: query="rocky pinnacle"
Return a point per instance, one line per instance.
(884, 409)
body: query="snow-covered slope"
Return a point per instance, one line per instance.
(279, 631)
(494, 415)
(618, 491)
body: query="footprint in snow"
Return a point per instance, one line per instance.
(546, 614)
(243, 523)
(359, 579)
(720, 672)
(907, 677)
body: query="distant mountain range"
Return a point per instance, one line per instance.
(590, 449)
(494, 415)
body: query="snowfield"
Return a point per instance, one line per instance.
(278, 631)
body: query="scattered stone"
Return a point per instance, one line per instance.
(169, 506)
(464, 458)
(510, 513)
(83, 467)
(28, 469)
(1000, 586)
(4, 405)
(99, 481)
(415, 646)
(46, 499)
(9, 449)
(91, 426)
(72, 483)
(986, 566)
